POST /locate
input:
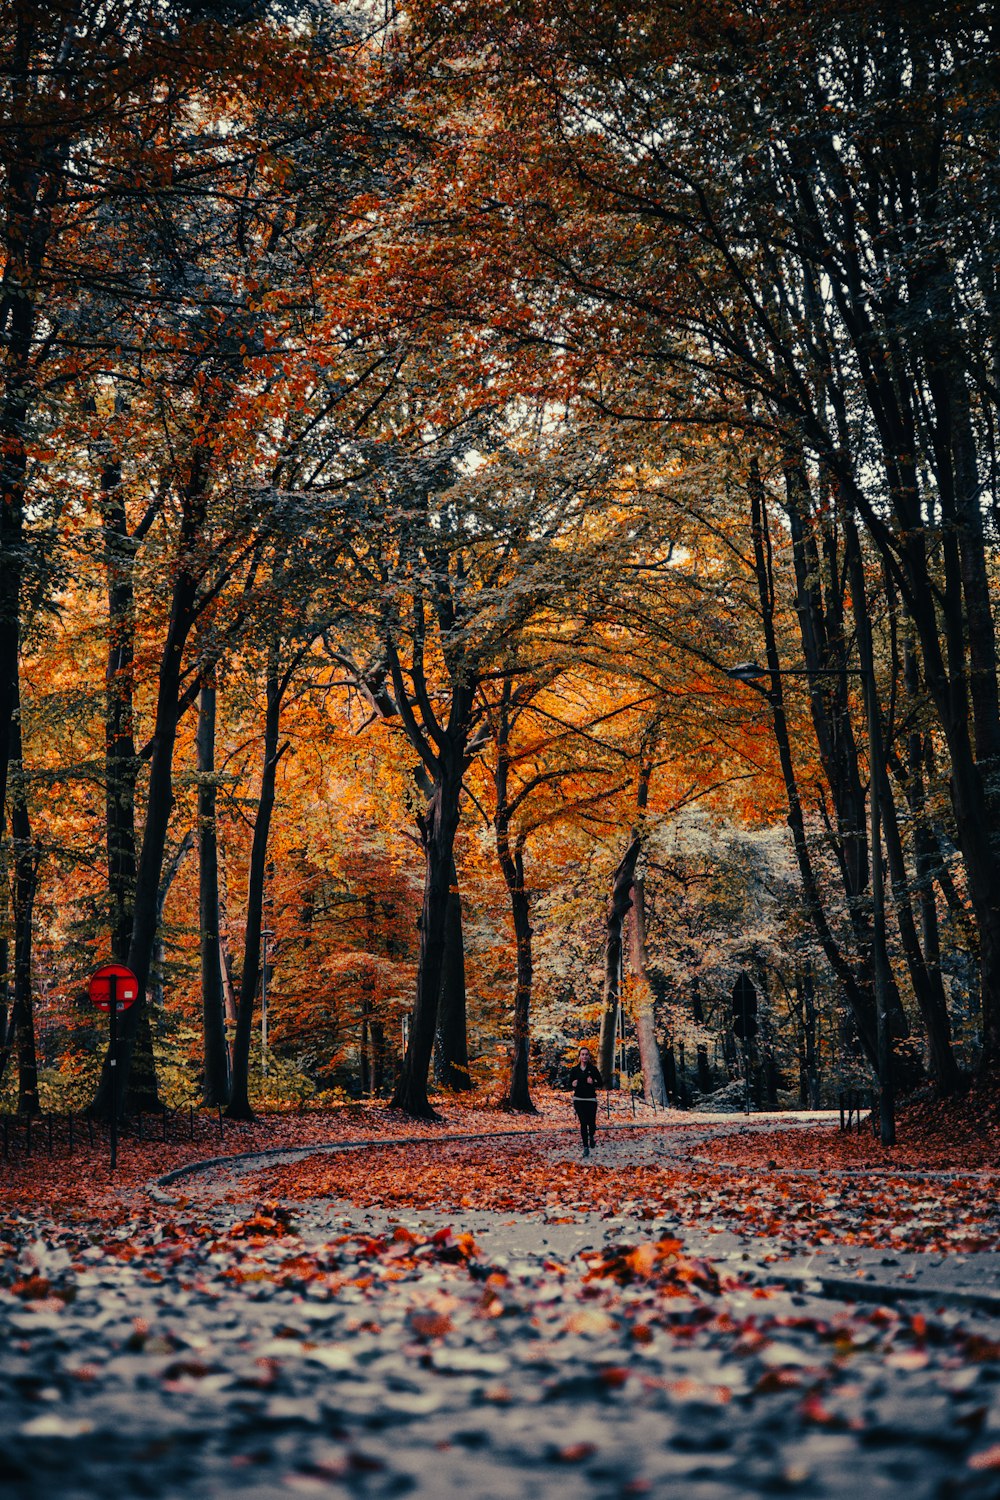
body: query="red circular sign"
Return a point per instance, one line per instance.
(116, 978)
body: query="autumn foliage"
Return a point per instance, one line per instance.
(408, 422)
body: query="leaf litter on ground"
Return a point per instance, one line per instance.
(315, 1327)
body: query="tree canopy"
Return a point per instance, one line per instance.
(408, 423)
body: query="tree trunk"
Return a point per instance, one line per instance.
(368, 1024)
(378, 1057)
(451, 1055)
(683, 1097)
(35, 170)
(239, 1099)
(935, 609)
(225, 961)
(12, 466)
(619, 903)
(215, 1088)
(438, 827)
(25, 888)
(442, 748)
(649, 1053)
(824, 637)
(765, 1043)
(807, 999)
(145, 922)
(858, 993)
(943, 1064)
(18, 328)
(142, 1053)
(8, 1014)
(510, 854)
(925, 979)
(228, 988)
(670, 1074)
(518, 1095)
(159, 804)
(960, 480)
(364, 1049)
(121, 763)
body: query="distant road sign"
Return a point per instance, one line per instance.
(113, 980)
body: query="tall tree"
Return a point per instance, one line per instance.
(466, 545)
(538, 781)
(215, 1088)
(26, 857)
(276, 684)
(224, 265)
(774, 227)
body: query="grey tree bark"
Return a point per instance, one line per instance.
(216, 1079)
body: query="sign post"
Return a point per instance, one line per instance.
(113, 988)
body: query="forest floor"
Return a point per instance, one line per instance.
(728, 1307)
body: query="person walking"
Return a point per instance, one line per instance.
(585, 1080)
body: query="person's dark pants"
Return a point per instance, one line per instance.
(586, 1113)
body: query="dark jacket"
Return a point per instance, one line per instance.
(585, 1082)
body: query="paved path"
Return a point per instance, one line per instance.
(969, 1280)
(214, 1351)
